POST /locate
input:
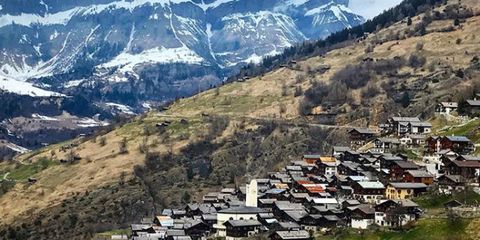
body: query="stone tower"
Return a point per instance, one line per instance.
(252, 191)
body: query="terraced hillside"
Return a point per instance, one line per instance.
(242, 129)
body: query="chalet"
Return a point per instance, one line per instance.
(239, 229)
(398, 169)
(311, 158)
(140, 229)
(458, 144)
(325, 203)
(350, 203)
(400, 125)
(291, 235)
(418, 176)
(281, 207)
(401, 190)
(235, 213)
(350, 155)
(446, 107)
(327, 168)
(349, 168)
(395, 213)
(467, 169)
(267, 219)
(413, 140)
(359, 136)
(337, 151)
(369, 192)
(209, 219)
(473, 106)
(386, 145)
(419, 127)
(196, 229)
(362, 216)
(387, 160)
(449, 183)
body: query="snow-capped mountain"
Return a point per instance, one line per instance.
(136, 50)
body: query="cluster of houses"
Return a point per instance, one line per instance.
(354, 186)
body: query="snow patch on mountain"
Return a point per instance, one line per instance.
(24, 88)
(126, 62)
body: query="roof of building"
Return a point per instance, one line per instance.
(469, 158)
(363, 130)
(341, 149)
(420, 124)
(287, 235)
(312, 156)
(296, 215)
(324, 200)
(371, 185)
(243, 223)
(402, 202)
(474, 103)
(286, 205)
(420, 173)
(243, 209)
(407, 185)
(328, 159)
(406, 165)
(389, 140)
(288, 225)
(466, 164)
(405, 119)
(449, 104)
(275, 191)
(458, 139)
(454, 178)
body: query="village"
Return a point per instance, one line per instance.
(369, 183)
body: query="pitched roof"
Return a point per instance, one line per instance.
(449, 104)
(454, 178)
(243, 209)
(301, 234)
(405, 119)
(474, 103)
(466, 164)
(312, 156)
(341, 149)
(406, 185)
(363, 130)
(243, 223)
(389, 140)
(406, 165)
(458, 139)
(419, 173)
(402, 202)
(371, 185)
(421, 124)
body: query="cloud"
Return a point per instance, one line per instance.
(371, 8)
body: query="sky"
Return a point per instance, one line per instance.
(371, 8)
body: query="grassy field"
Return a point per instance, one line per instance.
(21, 172)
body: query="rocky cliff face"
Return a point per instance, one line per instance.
(133, 51)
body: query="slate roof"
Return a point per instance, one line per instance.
(407, 165)
(449, 104)
(243, 223)
(363, 130)
(405, 119)
(371, 185)
(419, 173)
(406, 185)
(421, 124)
(302, 234)
(474, 103)
(243, 209)
(458, 139)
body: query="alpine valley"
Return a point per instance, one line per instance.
(77, 61)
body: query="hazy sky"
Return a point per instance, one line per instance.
(371, 8)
